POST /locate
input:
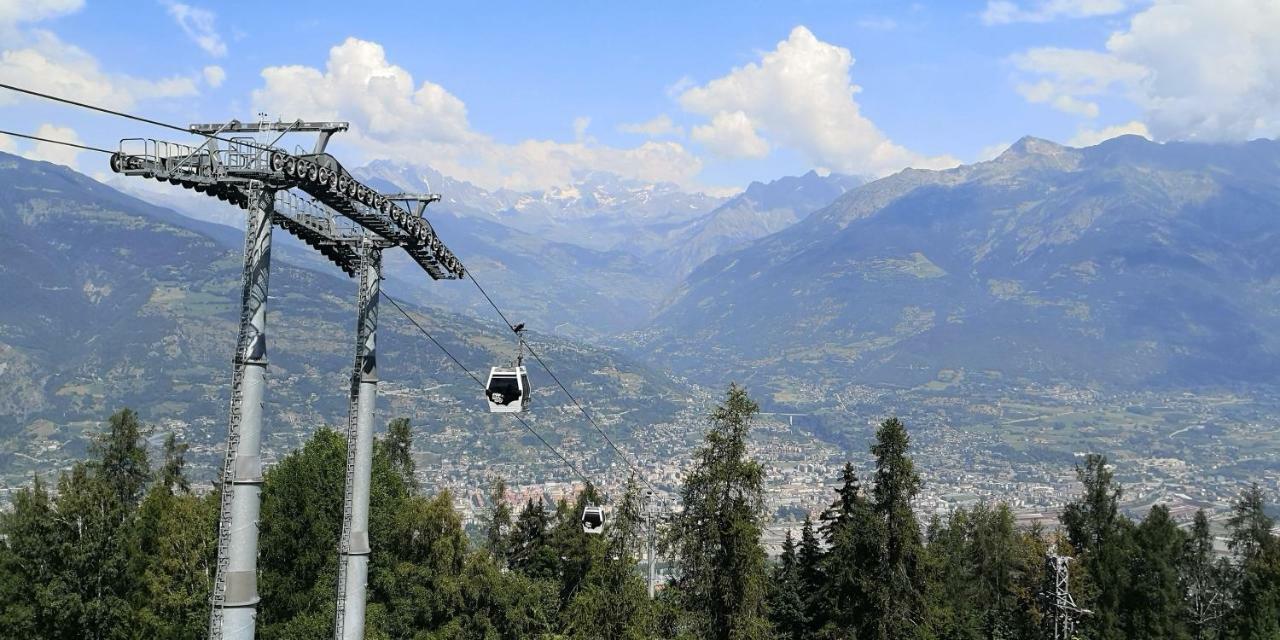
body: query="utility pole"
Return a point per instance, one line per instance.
(304, 194)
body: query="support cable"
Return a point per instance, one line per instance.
(480, 382)
(50, 141)
(621, 454)
(130, 116)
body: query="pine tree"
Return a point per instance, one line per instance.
(33, 596)
(1153, 599)
(787, 607)
(530, 549)
(899, 601)
(843, 602)
(122, 458)
(497, 522)
(173, 474)
(1205, 582)
(1101, 534)
(1257, 554)
(612, 603)
(717, 537)
(399, 449)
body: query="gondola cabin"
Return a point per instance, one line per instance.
(507, 390)
(593, 519)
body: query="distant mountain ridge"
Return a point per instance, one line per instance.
(113, 302)
(1128, 263)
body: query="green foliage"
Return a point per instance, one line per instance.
(1096, 528)
(899, 600)
(717, 537)
(106, 556)
(613, 602)
(497, 522)
(1256, 615)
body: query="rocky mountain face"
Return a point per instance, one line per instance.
(1127, 264)
(761, 210)
(111, 302)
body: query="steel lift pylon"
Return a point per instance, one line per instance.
(307, 194)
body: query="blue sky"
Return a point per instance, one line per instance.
(526, 96)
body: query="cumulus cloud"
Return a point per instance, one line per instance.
(6, 144)
(1006, 11)
(38, 59)
(580, 125)
(201, 26)
(392, 116)
(214, 75)
(55, 153)
(1198, 70)
(13, 12)
(800, 95)
(992, 151)
(731, 135)
(1089, 137)
(657, 127)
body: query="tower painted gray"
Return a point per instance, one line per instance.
(353, 545)
(235, 588)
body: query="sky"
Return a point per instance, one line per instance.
(708, 95)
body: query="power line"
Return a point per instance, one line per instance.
(50, 141)
(473, 376)
(592, 420)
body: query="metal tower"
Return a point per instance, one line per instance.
(1062, 607)
(257, 177)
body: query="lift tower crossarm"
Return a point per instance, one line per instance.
(270, 183)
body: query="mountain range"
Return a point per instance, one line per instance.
(1129, 264)
(114, 302)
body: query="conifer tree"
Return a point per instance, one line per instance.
(612, 603)
(173, 474)
(787, 607)
(530, 549)
(497, 522)
(398, 444)
(1205, 582)
(844, 599)
(1153, 602)
(1100, 533)
(1257, 554)
(899, 603)
(717, 537)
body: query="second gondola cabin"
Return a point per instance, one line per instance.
(507, 390)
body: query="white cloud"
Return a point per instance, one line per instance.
(199, 25)
(1007, 11)
(731, 135)
(992, 151)
(214, 75)
(1198, 70)
(580, 125)
(55, 153)
(657, 127)
(800, 95)
(1088, 137)
(37, 59)
(393, 117)
(13, 12)
(6, 144)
